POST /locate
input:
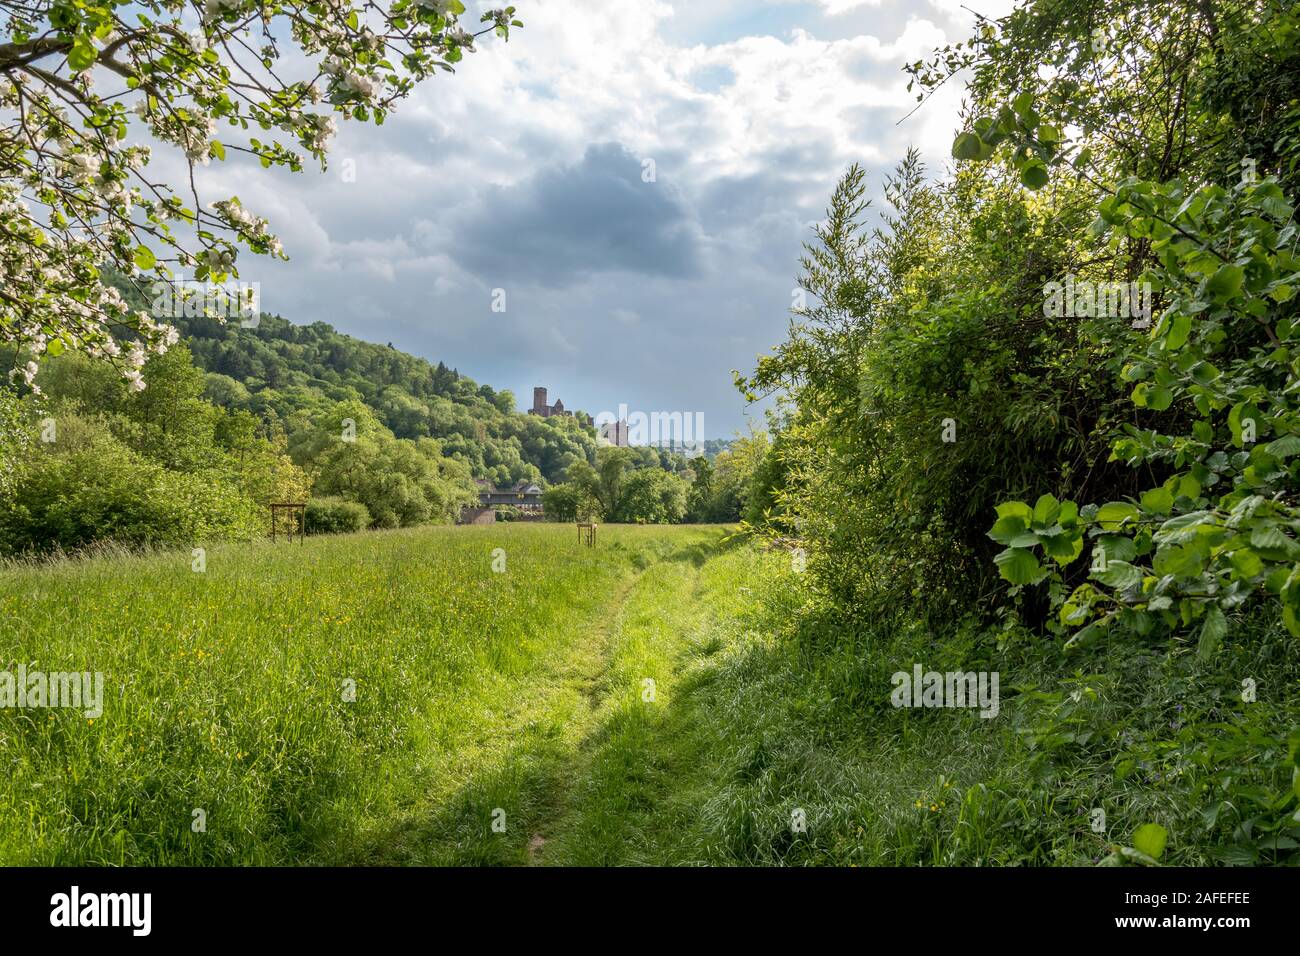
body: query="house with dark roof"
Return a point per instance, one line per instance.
(524, 495)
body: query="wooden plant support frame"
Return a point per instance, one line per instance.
(296, 509)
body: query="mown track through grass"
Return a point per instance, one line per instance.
(223, 693)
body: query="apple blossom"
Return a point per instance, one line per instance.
(84, 82)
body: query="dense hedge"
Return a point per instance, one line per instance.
(330, 515)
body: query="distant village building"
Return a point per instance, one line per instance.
(615, 433)
(524, 495)
(541, 408)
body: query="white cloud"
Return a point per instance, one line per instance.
(748, 134)
(837, 8)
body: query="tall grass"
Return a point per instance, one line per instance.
(779, 744)
(225, 690)
(671, 696)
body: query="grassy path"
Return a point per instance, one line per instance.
(579, 760)
(366, 698)
(614, 767)
(407, 698)
(557, 758)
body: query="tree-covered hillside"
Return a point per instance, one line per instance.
(233, 416)
(288, 373)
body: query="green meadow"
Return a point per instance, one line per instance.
(408, 696)
(503, 695)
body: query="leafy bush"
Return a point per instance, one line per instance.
(87, 487)
(1222, 528)
(939, 386)
(625, 485)
(741, 482)
(331, 515)
(561, 502)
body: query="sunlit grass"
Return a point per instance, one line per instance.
(671, 696)
(225, 690)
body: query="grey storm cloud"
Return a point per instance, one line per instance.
(567, 222)
(525, 174)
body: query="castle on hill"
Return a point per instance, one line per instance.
(541, 408)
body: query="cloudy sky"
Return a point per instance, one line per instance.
(524, 173)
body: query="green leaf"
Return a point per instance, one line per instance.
(1246, 563)
(1181, 562)
(1086, 636)
(1158, 500)
(1213, 631)
(1119, 575)
(1238, 416)
(1116, 547)
(1185, 486)
(1131, 853)
(1005, 530)
(1150, 838)
(1046, 510)
(966, 146)
(82, 54)
(144, 258)
(1271, 538)
(1034, 175)
(1017, 509)
(1115, 514)
(1159, 398)
(1226, 282)
(1235, 855)
(1180, 327)
(1284, 447)
(1018, 565)
(1063, 548)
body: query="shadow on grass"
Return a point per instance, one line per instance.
(598, 793)
(746, 764)
(503, 814)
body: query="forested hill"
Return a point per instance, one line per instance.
(287, 373)
(206, 434)
(278, 354)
